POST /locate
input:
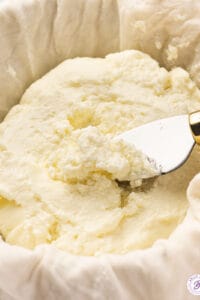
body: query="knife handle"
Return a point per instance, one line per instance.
(194, 121)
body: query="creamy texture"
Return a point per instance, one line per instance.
(60, 165)
(28, 50)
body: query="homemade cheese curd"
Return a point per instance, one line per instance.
(65, 180)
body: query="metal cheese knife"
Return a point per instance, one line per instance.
(167, 143)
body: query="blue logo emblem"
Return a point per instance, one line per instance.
(193, 284)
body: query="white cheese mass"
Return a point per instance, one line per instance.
(64, 180)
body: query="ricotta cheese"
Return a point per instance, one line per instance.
(64, 180)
